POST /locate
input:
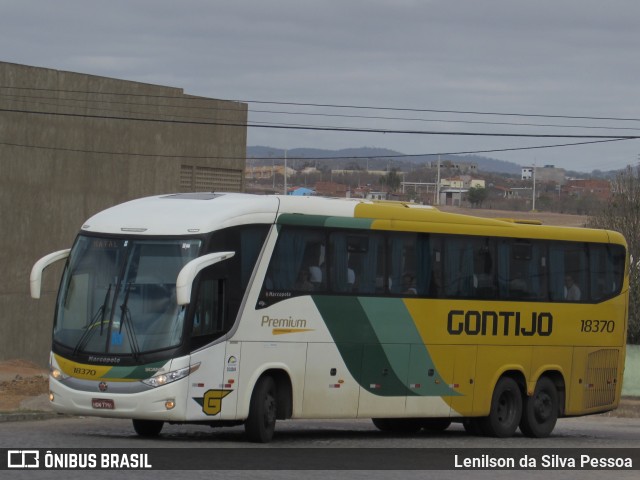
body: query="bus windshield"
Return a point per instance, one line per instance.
(118, 295)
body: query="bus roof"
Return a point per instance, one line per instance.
(193, 213)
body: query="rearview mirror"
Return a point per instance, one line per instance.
(188, 274)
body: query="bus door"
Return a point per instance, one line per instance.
(213, 385)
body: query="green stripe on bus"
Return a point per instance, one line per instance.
(394, 325)
(323, 221)
(392, 354)
(369, 365)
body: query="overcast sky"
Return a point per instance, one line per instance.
(576, 58)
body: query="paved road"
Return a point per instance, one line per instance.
(67, 432)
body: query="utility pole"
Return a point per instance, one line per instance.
(285, 172)
(533, 201)
(437, 202)
(273, 173)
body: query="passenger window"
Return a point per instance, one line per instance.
(521, 270)
(468, 267)
(357, 262)
(458, 267)
(298, 262)
(411, 262)
(568, 272)
(606, 263)
(484, 275)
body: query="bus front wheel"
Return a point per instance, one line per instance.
(261, 422)
(506, 409)
(148, 428)
(540, 410)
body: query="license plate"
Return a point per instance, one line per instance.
(103, 403)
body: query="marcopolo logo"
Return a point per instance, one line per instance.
(23, 459)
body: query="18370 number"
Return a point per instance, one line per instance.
(597, 326)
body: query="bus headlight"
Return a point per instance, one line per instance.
(57, 373)
(170, 377)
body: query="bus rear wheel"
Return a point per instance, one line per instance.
(261, 422)
(506, 409)
(540, 410)
(148, 428)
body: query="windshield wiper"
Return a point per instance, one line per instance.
(98, 317)
(127, 322)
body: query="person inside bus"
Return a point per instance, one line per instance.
(310, 275)
(409, 284)
(303, 282)
(518, 286)
(571, 290)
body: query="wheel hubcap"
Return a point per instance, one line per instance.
(504, 409)
(269, 410)
(542, 407)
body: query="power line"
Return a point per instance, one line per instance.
(321, 128)
(37, 101)
(400, 156)
(465, 112)
(61, 102)
(327, 105)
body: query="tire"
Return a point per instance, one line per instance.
(397, 425)
(435, 424)
(148, 428)
(261, 422)
(506, 410)
(540, 410)
(473, 426)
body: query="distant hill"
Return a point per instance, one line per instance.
(347, 156)
(366, 156)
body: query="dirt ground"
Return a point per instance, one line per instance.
(21, 380)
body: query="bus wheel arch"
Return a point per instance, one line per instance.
(541, 410)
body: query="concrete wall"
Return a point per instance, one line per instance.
(62, 159)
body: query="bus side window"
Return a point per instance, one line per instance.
(521, 270)
(343, 261)
(569, 272)
(484, 269)
(459, 281)
(297, 264)
(210, 313)
(606, 264)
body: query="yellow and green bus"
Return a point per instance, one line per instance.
(223, 309)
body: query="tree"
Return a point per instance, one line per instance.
(392, 180)
(477, 195)
(622, 214)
